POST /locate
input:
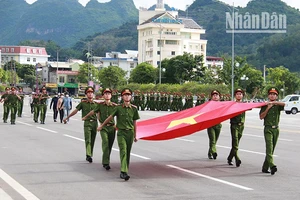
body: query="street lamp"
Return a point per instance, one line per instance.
(232, 51)
(160, 44)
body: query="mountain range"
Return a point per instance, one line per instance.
(111, 26)
(64, 22)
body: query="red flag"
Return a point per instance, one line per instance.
(191, 120)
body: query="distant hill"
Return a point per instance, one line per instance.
(64, 22)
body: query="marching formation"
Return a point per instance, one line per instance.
(126, 114)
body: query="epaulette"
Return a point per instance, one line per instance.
(114, 104)
(134, 106)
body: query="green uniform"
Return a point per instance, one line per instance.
(271, 133)
(108, 132)
(20, 105)
(36, 108)
(5, 107)
(13, 105)
(90, 125)
(213, 135)
(125, 117)
(236, 129)
(43, 107)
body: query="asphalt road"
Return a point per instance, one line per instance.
(47, 162)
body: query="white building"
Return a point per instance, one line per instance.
(126, 61)
(162, 34)
(24, 55)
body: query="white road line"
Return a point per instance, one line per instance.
(25, 123)
(45, 129)
(74, 137)
(185, 140)
(248, 151)
(17, 186)
(259, 136)
(4, 195)
(211, 178)
(143, 157)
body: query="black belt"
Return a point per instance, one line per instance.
(272, 127)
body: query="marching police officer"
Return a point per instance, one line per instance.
(13, 100)
(271, 114)
(236, 129)
(90, 123)
(43, 104)
(21, 101)
(5, 104)
(126, 114)
(108, 132)
(214, 131)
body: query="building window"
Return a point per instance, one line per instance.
(2, 59)
(172, 42)
(3, 50)
(34, 60)
(12, 50)
(61, 79)
(184, 46)
(45, 79)
(158, 52)
(158, 62)
(40, 51)
(28, 59)
(160, 43)
(33, 50)
(28, 50)
(173, 53)
(131, 65)
(7, 50)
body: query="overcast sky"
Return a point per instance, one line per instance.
(181, 4)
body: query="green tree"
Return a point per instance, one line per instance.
(184, 68)
(143, 73)
(282, 78)
(86, 73)
(3, 76)
(112, 76)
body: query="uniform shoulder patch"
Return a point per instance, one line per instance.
(134, 106)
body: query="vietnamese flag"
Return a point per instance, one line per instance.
(191, 120)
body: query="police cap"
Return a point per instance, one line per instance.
(273, 90)
(126, 91)
(106, 90)
(239, 90)
(215, 92)
(89, 89)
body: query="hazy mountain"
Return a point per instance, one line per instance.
(64, 22)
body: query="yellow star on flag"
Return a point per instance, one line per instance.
(187, 120)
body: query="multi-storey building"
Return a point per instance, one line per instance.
(24, 54)
(163, 34)
(126, 61)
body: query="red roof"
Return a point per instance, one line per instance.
(212, 58)
(23, 50)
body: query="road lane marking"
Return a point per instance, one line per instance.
(17, 186)
(45, 129)
(259, 136)
(248, 151)
(211, 178)
(76, 138)
(139, 156)
(185, 140)
(4, 195)
(25, 123)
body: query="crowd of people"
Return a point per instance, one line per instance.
(125, 110)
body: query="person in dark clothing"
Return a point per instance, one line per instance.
(54, 104)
